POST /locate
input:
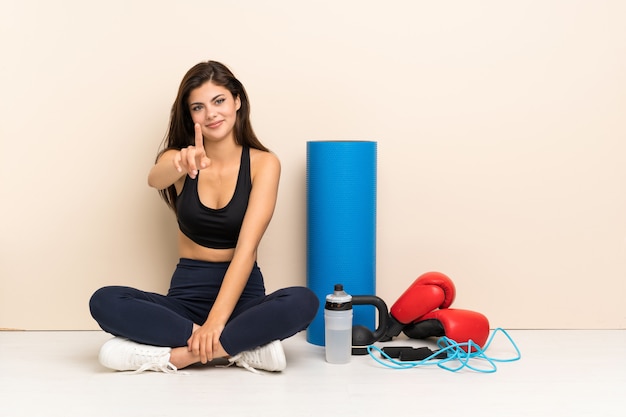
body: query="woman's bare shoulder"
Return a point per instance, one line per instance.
(264, 160)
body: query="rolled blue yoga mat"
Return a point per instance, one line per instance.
(341, 225)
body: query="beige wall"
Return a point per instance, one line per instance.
(500, 126)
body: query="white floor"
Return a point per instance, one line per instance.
(561, 373)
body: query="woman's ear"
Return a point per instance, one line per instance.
(237, 103)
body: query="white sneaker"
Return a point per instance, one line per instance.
(270, 357)
(125, 355)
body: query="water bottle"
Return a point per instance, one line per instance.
(338, 326)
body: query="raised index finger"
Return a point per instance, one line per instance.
(199, 138)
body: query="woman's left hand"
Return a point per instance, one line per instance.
(205, 341)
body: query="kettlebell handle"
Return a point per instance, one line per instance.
(383, 313)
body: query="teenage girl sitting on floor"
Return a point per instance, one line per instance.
(222, 183)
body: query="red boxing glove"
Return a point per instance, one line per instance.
(430, 291)
(458, 325)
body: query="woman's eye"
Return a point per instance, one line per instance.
(196, 108)
(220, 100)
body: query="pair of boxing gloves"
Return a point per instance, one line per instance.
(422, 311)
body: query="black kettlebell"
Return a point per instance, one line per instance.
(361, 335)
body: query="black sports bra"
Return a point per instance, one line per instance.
(215, 228)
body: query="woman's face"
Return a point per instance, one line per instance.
(215, 109)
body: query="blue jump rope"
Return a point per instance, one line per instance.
(457, 356)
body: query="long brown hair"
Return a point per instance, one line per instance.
(180, 133)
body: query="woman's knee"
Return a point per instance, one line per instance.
(102, 301)
(305, 301)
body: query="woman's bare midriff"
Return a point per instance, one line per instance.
(191, 250)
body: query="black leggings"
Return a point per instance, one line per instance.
(167, 320)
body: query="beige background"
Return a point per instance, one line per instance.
(500, 129)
